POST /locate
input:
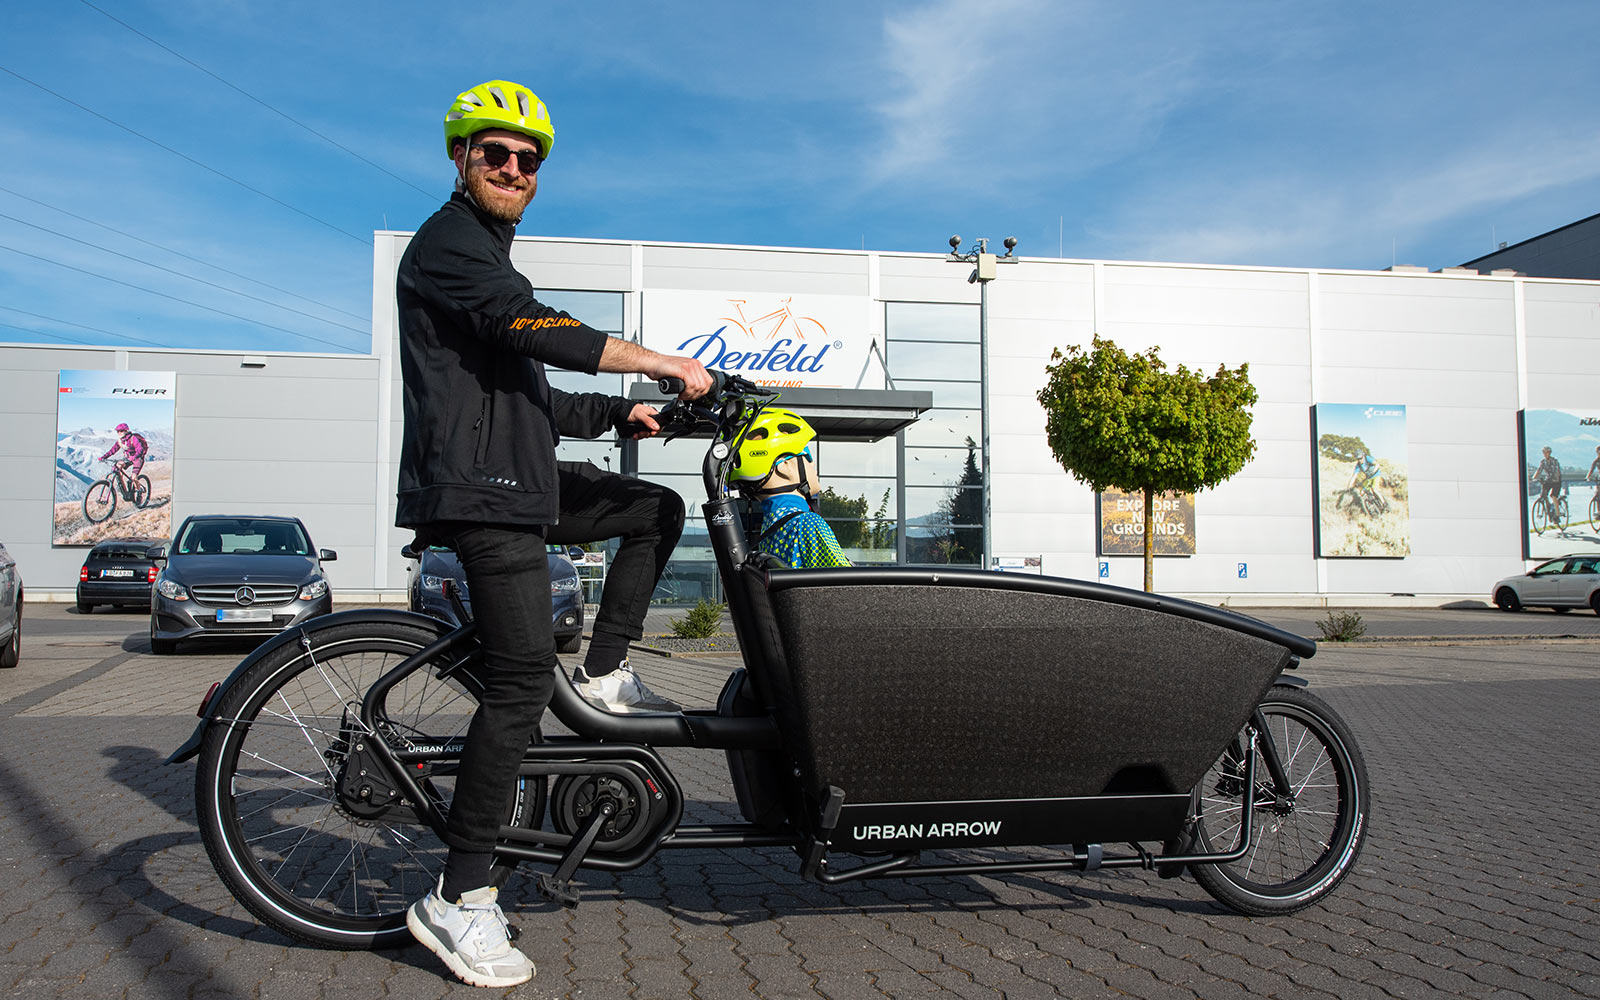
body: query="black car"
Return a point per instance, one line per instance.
(227, 576)
(117, 572)
(10, 610)
(436, 565)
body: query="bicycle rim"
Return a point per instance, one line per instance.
(278, 834)
(141, 491)
(99, 502)
(1294, 857)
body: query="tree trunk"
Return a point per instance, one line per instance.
(1149, 540)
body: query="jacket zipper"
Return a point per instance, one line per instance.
(483, 427)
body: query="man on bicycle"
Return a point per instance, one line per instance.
(134, 444)
(1366, 473)
(1548, 476)
(478, 472)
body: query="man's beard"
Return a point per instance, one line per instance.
(498, 203)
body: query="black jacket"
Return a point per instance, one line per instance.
(481, 421)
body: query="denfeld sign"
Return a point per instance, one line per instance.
(820, 341)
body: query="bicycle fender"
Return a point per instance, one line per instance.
(289, 637)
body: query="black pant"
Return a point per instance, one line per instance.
(508, 577)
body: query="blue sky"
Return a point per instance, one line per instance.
(1280, 134)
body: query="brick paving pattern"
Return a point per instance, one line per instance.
(1479, 878)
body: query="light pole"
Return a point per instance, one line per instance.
(983, 272)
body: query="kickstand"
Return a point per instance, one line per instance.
(557, 886)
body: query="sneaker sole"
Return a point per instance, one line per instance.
(464, 972)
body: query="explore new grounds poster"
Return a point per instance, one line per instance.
(1362, 484)
(105, 489)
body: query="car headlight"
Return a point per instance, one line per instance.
(314, 590)
(172, 590)
(565, 585)
(433, 583)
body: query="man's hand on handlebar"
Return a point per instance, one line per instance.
(641, 422)
(696, 380)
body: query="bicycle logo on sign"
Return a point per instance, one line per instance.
(774, 323)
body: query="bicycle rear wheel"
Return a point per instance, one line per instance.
(1302, 844)
(287, 842)
(100, 502)
(141, 491)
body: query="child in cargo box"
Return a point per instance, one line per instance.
(775, 456)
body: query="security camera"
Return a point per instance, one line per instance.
(1011, 243)
(955, 241)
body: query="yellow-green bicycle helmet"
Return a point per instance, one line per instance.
(775, 435)
(498, 104)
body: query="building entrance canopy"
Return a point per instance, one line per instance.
(837, 414)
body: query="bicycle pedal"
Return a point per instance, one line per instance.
(557, 892)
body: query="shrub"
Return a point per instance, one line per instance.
(1342, 626)
(702, 621)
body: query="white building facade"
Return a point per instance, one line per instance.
(1463, 354)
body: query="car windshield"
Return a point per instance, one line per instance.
(243, 536)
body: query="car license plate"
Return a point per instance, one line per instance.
(116, 572)
(244, 614)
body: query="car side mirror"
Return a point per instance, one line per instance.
(327, 555)
(156, 553)
(575, 554)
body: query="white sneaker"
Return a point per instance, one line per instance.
(621, 691)
(472, 937)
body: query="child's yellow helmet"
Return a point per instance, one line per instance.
(774, 436)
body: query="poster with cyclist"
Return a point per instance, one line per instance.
(1362, 482)
(113, 469)
(1560, 482)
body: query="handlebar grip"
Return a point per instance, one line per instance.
(672, 386)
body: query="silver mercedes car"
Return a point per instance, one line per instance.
(228, 576)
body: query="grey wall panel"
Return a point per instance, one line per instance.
(1405, 303)
(274, 482)
(273, 398)
(717, 269)
(1403, 386)
(922, 279)
(576, 266)
(25, 477)
(307, 438)
(31, 435)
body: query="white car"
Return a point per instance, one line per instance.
(1563, 584)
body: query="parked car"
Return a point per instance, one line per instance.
(118, 572)
(227, 576)
(10, 610)
(436, 565)
(1563, 584)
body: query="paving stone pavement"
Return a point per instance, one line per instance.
(1479, 878)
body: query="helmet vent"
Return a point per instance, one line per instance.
(522, 103)
(499, 97)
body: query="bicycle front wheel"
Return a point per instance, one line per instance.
(100, 502)
(1541, 516)
(292, 846)
(1303, 842)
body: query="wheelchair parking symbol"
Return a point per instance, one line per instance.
(1105, 571)
(1244, 570)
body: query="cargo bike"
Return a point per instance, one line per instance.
(886, 723)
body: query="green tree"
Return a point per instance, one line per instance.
(963, 511)
(843, 514)
(1123, 420)
(1341, 448)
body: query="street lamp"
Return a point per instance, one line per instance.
(983, 271)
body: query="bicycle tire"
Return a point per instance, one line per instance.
(269, 817)
(1300, 854)
(141, 491)
(100, 502)
(1370, 503)
(1562, 514)
(1594, 510)
(1540, 516)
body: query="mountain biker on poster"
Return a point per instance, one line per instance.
(135, 444)
(478, 472)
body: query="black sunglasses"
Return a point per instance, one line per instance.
(496, 155)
